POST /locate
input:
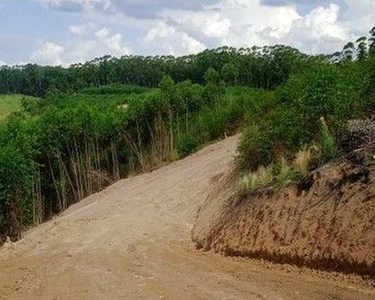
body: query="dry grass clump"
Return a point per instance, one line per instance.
(304, 158)
(285, 173)
(281, 174)
(254, 181)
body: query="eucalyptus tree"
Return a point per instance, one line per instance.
(348, 51)
(362, 48)
(372, 42)
(230, 73)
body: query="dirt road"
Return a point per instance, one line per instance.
(132, 241)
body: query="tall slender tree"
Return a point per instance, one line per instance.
(372, 42)
(362, 48)
(348, 52)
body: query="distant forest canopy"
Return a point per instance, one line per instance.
(256, 67)
(262, 67)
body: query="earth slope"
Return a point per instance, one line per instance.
(133, 241)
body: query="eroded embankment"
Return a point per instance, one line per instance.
(327, 223)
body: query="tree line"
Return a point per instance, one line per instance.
(261, 67)
(265, 67)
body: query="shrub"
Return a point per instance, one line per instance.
(286, 173)
(331, 92)
(186, 146)
(255, 148)
(16, 180)
(328, 145)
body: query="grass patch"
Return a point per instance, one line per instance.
(280, 174)
(10, 104)
(254, 181)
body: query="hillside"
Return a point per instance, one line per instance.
(132, 241)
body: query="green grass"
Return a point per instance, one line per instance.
(9, 104)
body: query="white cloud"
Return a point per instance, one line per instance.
(210, 23)
(244, 23)
(77, 30)
(359, 16)
(81, 49)
(80, 30)
(217, 27)
(239, 23)
(115, 44)
(164, 39)
(317, 32)
(119, 27)
(103, 33)
(85, 50)
(2, 63)
(76, 5)
(48, 54)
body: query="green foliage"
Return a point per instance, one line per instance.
(12, 103)
(212, 76)
(368, 78)
(230, 73)
(265, 67)
(68, 146)
(372, 43)
(285, 174)
(16, 178)
(238, 104)
(100, 121)
(186, 146)
(336, 93)
(115, 89)
(255, 148)
(328, 146)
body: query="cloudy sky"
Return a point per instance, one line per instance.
(60, 32)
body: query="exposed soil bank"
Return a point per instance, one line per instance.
(326, 223)
(133, 241)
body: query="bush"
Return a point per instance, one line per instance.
(331, 92)
(186, 146)
(16, 180)
(328, 145)
(286, 173)
(120, 89)
(255, 148)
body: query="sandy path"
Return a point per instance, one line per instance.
(132, 241)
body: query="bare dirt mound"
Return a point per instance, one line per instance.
(133, 241)
(326, 223)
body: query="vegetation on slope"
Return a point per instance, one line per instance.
(89, 129)
(65, 147)
(10, 104)
(311, 109)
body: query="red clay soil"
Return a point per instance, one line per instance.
(326, 223)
